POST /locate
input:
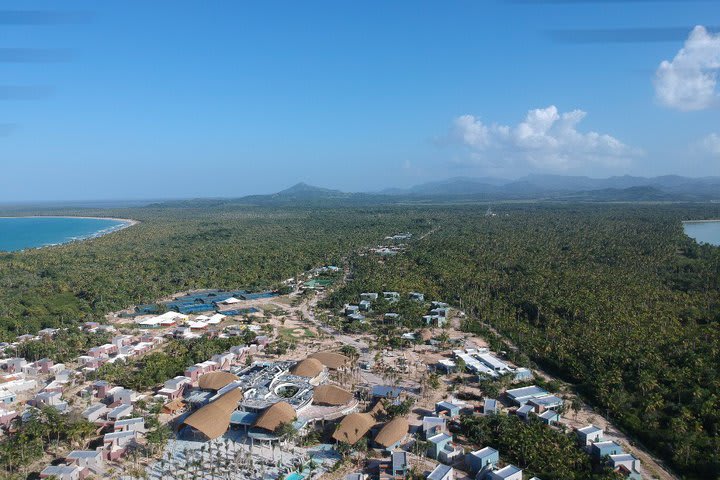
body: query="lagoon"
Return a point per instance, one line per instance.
(20, 233)
(704, 231)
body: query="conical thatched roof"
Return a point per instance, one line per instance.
(276, 415)
(213, 419)
(331, 395)
(332, 360)
(216, 380)
(392, 432)
(353, 427)
(310, 367)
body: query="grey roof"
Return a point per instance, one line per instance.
(399, 460)
(243, 418)
(548, 414)
(99, 407)
(440, 437)
(547, 401)
(59, 470)
(129, 421)
(623, 457)
(589, 430)
(114, 435)
(439, 472)
(605, 443)
(83, 454)
(434, 420)
(484, 452)
(526, 392)
(386, 391)
(119, 410)
(525, 409)
(447, 405)
(507, 471)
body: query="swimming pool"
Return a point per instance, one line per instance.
(295, 476)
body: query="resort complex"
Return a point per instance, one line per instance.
(294, 387)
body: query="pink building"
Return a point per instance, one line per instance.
(44, 365)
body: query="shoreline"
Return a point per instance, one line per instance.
(701, 221)
(129, 221)
(124, 223)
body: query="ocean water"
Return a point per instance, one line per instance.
(20, 233)
(703, 232)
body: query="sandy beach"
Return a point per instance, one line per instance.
(123, 224)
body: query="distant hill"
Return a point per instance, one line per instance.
(468, 189)
(302, 194)
(669, 187)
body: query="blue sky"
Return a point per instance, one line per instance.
(184, 99)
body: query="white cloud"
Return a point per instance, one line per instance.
(689, 81)
(545, 140)
(711, 144)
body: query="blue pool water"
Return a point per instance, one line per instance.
(703, 232)
(20, 233)
(295, 476)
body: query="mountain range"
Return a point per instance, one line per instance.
(681, 188)
(669, 188)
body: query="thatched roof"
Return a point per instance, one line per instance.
(331, 395)
(213, 419)
(332, 360)
(276, 415)
(310, 367)
(392, 432)
(174, 406)
(216, 380)
(353, 427)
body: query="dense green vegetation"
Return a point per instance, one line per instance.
(66, 345)
(541, 451)
(176, 249)
(614, 299)
(45, 429)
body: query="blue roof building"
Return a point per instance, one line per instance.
(549, 417)
(399, 463)
(524, 411)
(384, 391)
(523, 374)
(510, 472)
(590, 434)
(243, 420)
(431, 426)
(520, 396)
(627, 465)
(482, 459)
(546, 402)
(605, 449)
(437, 444)
(441, 472)
(449, 409)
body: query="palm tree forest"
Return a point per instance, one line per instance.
(613, 298)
